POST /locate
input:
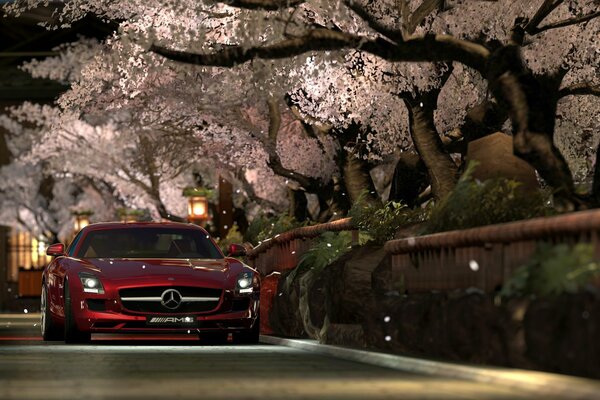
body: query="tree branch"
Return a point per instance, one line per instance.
(428, 48)
(545, 9)
(251, 193)
(579, 89)
(309, 184)
(274, 120)
(391, 34)
(567, 22)
(426, 8)
(267, 5)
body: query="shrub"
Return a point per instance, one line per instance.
(553, 270)
(327, 248)
(473, 203)
(233, 236)
(262, 228)
(381, 221)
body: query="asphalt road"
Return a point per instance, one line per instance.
(181, 367)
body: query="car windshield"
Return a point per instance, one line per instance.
(147, 243)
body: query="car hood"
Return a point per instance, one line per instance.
(139, 269)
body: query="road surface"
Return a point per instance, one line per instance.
(133, 368)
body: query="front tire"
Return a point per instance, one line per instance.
(250, 336)
(213, 338)
(72, 333)
(49, 329)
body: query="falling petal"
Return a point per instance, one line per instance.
(473, 265)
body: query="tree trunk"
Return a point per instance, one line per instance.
(595, 195)
(443, 172)
(532, 104)
(332, 204)
(410, 179)
(357, 179)
(298, 204)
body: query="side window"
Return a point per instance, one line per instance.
(73, 245)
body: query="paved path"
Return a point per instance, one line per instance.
(142, 369)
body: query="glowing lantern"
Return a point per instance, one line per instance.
(82, 219)
(197, 209)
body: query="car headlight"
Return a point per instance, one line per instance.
(245, 282)
(91, 283)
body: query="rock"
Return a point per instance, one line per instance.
(351, 335)
(285, 319)
(561, 334)
(494, 154)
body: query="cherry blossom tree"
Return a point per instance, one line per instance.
(42, 201)
(377, 77)
(530, 54)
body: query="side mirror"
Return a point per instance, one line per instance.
(236, 250)
(55, 250)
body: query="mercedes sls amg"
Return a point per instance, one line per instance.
(148, 277)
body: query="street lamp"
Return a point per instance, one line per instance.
(82, 219)
(198, 209)
(197, 204)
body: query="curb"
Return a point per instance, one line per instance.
(534, 382)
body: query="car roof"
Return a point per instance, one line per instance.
(152, 224)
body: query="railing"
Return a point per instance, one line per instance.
(283, 251)
(483, 257)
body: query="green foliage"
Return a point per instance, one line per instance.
(262, 228)
(381, 221)
(233, 236)
(554, 270)
(127, 212)
(327, 248)
(83, 213)
(199, 191)
(473, 203)
(255, 227)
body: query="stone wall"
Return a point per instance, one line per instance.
(556, 334)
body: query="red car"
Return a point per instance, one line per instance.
(148, 277)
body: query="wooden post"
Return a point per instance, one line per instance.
(355, 238)
(225, 207)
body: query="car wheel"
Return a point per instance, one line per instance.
(49, 329)
(72, 333)
(250, 336)
(213, 338)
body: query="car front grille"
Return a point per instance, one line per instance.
(151, 299)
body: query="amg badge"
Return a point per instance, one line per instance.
(171, 320)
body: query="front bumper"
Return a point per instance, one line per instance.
(115, 318)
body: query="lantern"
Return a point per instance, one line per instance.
(197, 209)
(82, 219)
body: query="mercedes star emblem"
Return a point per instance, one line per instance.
(171, 299)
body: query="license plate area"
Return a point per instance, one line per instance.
(180, 321)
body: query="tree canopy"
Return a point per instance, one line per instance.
(295, 100)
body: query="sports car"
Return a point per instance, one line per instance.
(148, 277)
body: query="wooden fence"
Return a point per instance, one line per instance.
(283, 251)
(484, 257)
